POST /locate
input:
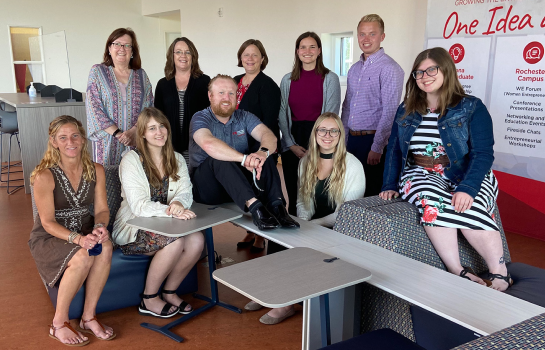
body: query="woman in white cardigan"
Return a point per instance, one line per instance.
(328, 175)
(155, 182)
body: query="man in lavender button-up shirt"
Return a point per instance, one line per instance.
(374, 87)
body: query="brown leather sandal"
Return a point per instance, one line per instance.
(66, 325)
(467, 270)
(84, 330)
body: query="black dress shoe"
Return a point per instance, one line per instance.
(285, 220)
(254, 249)
(264, 220)
(245, 244)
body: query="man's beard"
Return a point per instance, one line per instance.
(220, 110)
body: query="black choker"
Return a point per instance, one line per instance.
(326, 156)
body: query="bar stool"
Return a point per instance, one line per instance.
(8, 125)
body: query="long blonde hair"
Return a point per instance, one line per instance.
(309, 177)
(52, 155)
(170, 164)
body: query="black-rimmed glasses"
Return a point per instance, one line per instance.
(431, 72)
(332, 132)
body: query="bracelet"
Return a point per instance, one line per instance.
(100, 224)
(244, 159)
(116, 132)
(71, 236)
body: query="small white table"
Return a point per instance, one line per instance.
(291, 276)
(207, 217)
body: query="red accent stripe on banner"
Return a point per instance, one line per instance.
(528, 191)
(522, 205)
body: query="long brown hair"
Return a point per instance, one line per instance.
(170, 164)
(52, 155)
(309, 177)
(451, 92)
(297, 65)
(135, 62)
(170, 68)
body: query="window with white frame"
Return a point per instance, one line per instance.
(27, 56)
(337, 50)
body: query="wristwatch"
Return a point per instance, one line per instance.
(266, 150)
(116, 132)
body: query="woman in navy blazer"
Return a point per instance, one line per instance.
(258, 94)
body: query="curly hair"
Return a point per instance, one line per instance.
(52, 155)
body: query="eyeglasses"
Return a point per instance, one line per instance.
(431, 72)
(119, 46)
(185, 53)
(332, 132)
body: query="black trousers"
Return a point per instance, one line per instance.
(360, 146)
(218, 182)
(290, 162)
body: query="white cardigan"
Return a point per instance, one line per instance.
(354, 188)
(135, 190)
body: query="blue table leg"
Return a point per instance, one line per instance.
(324, 320)
(165, 330)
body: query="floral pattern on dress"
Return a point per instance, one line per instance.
(435, 150)
(430, 211)
(406, 185)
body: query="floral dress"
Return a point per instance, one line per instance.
(431, 191)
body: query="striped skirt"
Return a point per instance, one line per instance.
(432, 193)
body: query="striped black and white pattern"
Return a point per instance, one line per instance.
(431, 191)
(181, 94)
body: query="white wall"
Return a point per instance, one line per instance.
(278, 24)
(87, 24)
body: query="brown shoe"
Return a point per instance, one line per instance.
(67, 325)
(82, 328)
(266, 319)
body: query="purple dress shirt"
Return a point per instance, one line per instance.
(373, 94)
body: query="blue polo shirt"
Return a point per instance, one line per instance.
(235, 133)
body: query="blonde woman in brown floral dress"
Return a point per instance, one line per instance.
(65, 183)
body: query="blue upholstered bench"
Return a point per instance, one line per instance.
(127, 274)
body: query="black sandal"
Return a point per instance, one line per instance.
(143, 310)
(183, 304)
(467, 270)
(508, 279)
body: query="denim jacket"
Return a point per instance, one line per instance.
(467, 135)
